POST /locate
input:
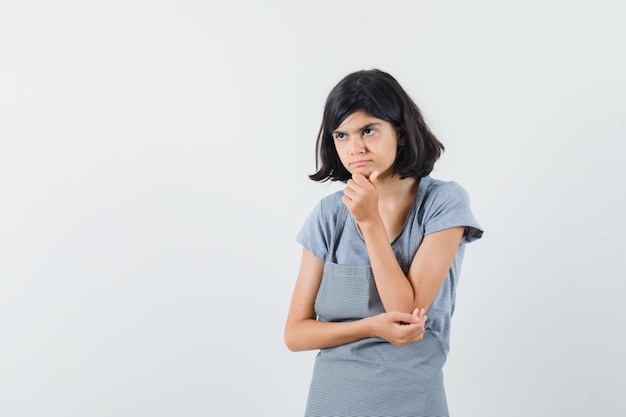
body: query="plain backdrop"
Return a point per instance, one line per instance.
(153, 175)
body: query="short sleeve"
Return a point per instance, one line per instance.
(449, 206)
(316, 232)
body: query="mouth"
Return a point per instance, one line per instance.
(360, 163)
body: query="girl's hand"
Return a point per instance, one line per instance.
(400, 329)
(361, 196)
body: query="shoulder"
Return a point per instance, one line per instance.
(440, 191)
(325, 213)
(317, 231)
(331, 204)
(447, 204)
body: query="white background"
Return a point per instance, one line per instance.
(153, 175)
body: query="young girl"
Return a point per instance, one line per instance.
(381, 259)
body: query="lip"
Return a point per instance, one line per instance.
(360, 162)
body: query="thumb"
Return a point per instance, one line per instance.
(374, 177)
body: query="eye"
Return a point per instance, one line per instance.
(368, 132)
(339, 136)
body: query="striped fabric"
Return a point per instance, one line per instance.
(371, 377)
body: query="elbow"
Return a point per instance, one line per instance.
(407, 306)
(290, 345)
(291, 341)
(293, 346)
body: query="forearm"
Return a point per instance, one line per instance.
(428, 270)
(310, 334)
(395, 290)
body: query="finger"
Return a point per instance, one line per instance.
(373, 177)
(359, 179)
(349, 192)
(357, 176)
(398, 316)
(348, 202)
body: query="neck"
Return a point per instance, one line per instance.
(393, 188)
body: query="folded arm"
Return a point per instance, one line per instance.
(304, 332)
(427, 272)
(429, 267)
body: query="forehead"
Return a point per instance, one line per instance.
(358, 120)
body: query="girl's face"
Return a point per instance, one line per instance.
(366, 144)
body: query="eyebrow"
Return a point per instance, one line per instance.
(367, 126)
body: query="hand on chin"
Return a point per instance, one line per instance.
(366, 172)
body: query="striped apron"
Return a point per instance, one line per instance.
(371, 377)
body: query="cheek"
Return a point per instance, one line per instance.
(391, 151)
(343, 155)
(339, 149)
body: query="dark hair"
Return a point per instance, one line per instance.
(381, 96)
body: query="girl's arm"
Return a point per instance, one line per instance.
(429, 267)
(426, 274)
(304, 332)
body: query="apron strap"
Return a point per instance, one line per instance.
(341, 220)
(415, 235)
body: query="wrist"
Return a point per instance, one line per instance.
(369, 324)
(371, 225)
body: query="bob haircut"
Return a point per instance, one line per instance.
(381, 96)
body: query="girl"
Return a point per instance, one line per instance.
(381, 259)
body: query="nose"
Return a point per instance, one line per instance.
(356, 145)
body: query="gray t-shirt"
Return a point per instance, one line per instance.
(442, 205)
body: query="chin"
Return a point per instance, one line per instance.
(365, 172)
